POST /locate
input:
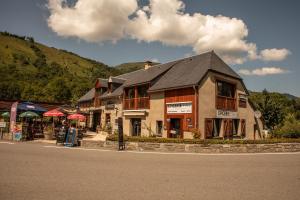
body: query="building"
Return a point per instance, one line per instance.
(174, 100)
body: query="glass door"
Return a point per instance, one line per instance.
(136, 126)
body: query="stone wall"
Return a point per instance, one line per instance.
(196, 148)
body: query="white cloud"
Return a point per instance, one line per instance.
(91, 20)
(263, 71)
(164, 21)
(274, 54)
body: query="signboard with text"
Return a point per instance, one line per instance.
(2, 124)
(13, 116)
(179, 107)
(226, 114)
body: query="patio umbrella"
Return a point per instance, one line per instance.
(29, 114)
(6, 114)
(77, 117)
(53, 113)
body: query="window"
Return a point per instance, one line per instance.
(212, 127)
(130, 93)
(142, 91)
(159, 127)
(242, 100)
(107, 118)
(225, 99)
(225, 89)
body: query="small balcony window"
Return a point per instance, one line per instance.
(226, 89)
(225, 99)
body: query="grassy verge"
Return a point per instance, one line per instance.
(208, 141)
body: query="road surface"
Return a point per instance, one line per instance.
(37, 171)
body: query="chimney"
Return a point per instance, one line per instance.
(148, 64)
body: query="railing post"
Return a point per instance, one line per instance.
(135, 97)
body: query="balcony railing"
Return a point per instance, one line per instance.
(136, 103)
(226, 103)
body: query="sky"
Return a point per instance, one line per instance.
(259, 39)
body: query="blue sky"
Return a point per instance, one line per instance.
(270, 24)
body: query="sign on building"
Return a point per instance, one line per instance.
(2, 124)
(179, 107)
(226, 114)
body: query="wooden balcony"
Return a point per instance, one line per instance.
(225, 103)
(136, 103)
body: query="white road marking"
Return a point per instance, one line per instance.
(175, 153)
(7, 143)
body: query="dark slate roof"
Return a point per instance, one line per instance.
(116, 80)
(88, 96)
(103, 82)
(176, 74)
(117, 92)
(190, 71)
(144, 76)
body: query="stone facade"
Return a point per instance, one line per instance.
(113, 109)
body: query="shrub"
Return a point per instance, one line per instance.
(290, 128)
(196, 133)
(198, 141)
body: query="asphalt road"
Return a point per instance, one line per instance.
(33, 171)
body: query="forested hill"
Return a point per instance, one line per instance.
(33, 71)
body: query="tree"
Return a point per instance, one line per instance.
(272, 107)
(9, 90)
(58, 90)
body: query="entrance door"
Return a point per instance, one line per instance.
(175, 128)
(96, 120)
(136, 127)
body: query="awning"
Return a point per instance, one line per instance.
(28, 106)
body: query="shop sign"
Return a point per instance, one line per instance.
(226, 114)
(2, 124)
(179, 107)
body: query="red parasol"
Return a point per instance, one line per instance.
(53, 113)
(77, 117)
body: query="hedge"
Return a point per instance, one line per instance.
(199, 141)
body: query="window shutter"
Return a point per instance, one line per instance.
(208, 128)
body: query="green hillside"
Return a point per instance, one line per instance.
(35, 72)
(132, 66)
